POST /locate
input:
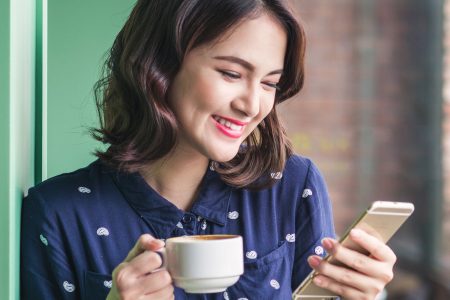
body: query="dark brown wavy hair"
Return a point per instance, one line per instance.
(135, 118)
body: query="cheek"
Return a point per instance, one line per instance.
(206, 92)
(267, 105)
(191, 95)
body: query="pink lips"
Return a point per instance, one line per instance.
(228, 131)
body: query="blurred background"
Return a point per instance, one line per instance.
(374, 114)
(375, 117)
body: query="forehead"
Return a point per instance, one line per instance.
(261, 41)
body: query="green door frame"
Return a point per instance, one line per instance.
(17, 92)
(4, 149)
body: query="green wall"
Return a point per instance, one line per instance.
(50, 57)
(79, 34)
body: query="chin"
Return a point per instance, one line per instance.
(222, 156)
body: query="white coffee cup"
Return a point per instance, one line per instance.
(204, 263)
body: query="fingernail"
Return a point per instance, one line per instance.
(328, 244)
(314, 261)
(355, 232)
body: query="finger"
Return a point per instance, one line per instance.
(359, 262)
(144, 263)
(376, 248)
(142, 244)
(128, 282)
(164, 293)
(345, 276)
(155, 281)
(157, 245)
(145, 242)
(344, 291)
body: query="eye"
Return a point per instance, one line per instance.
(230, 74)
(272, 85)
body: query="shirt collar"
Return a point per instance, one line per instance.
(161, 215)
(213, 200)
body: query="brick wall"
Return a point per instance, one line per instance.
(364, 115)
(322, 120)
(446, 138)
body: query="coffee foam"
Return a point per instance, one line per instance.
(200, 238)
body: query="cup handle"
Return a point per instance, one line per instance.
(163, 254)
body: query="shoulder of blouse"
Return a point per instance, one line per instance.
(61, 189)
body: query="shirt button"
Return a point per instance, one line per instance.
(187, 219)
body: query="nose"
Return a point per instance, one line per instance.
(248, 103)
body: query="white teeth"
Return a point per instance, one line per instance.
(235, 127)
(228, 124)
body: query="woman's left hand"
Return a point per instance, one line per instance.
(365, 275)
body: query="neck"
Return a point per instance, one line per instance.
(177, 177)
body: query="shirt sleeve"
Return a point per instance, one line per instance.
(314, 221)
(45, 271)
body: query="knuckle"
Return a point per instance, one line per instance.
(388, 276)
(336, 249)
(340, 290)
(322, 268)
(117, 269)
(339, 246)
(376, 288)
(358, 263)
(347, 276)
(165, 277)
(379, 251)
(120, 275)
(379, 288)
(142, 239)
(394, 258)
(325, 283)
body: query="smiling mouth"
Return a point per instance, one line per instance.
(228, 124)
(229, 128)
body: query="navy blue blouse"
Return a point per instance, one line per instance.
(77, 227)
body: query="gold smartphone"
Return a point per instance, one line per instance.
(382, 219)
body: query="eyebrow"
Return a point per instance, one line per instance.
(245, 64)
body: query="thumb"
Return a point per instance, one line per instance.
(144, 243)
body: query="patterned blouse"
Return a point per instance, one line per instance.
(77, 227)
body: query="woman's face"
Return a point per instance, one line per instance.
(225, 89)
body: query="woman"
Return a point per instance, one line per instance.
(188, 111)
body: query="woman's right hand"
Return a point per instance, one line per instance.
(134, 277)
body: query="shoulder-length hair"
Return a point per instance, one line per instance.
(135, 118)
